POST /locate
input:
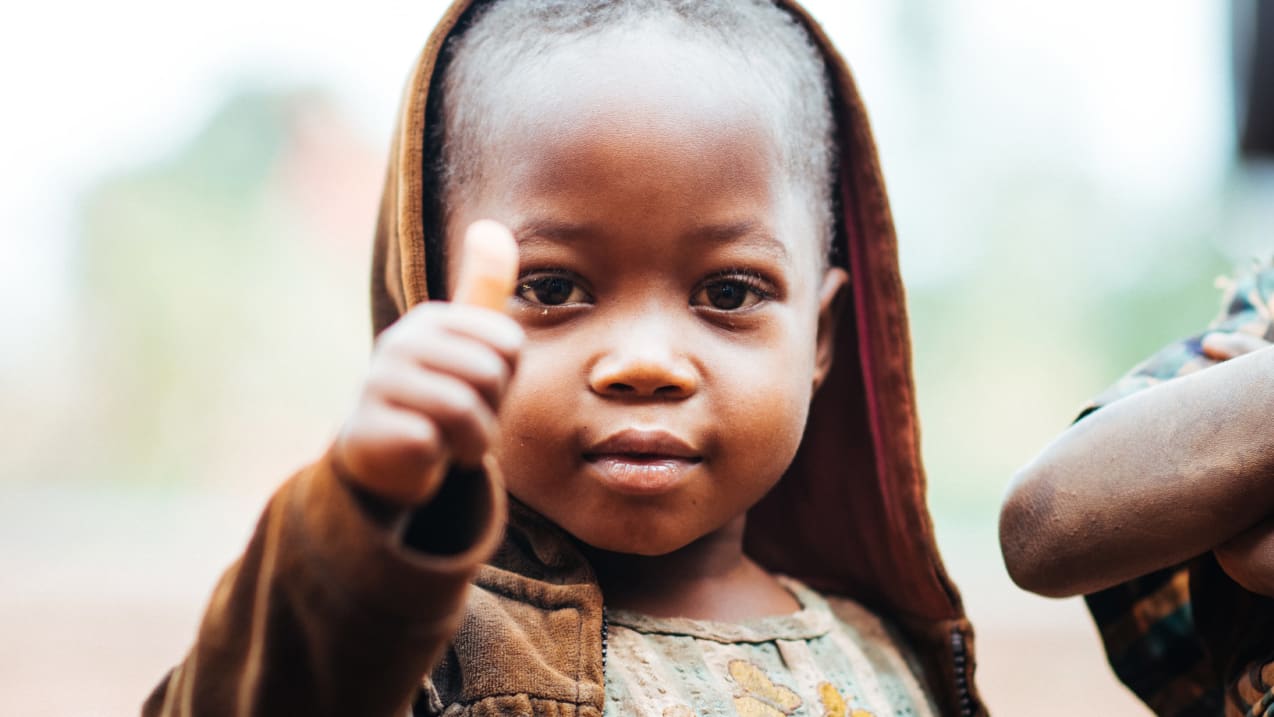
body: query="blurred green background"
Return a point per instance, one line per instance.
(186, 223)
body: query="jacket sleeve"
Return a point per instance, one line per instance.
(339, 606)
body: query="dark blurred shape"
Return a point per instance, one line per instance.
(1254, 36)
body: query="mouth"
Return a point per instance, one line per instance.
(637, 462)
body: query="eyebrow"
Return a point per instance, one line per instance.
(747, 233)
(539, 230)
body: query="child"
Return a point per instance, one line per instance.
(704, 244)
(1159, 507)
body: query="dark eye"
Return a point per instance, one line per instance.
(729, 294)
(551, 291)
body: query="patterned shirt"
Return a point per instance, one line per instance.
(831, 659)
(1187, 640)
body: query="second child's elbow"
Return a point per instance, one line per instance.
(1031, 541)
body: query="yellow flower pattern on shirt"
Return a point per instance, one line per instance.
(761, 697)
(833, 658)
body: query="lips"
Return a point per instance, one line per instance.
(642, 462)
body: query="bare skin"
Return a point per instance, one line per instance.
(1173, 472)
(672, 320)
(712, 578)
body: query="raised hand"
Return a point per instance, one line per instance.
(436, 379)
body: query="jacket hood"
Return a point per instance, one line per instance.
(849, 517)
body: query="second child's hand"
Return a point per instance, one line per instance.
(436, 379)
(1223, 346)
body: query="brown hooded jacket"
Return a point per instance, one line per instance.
(328, 612)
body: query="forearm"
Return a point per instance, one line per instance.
(1146, 482)
(327, 613)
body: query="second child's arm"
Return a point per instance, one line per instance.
(1147, 482)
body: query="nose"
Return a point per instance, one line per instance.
(644, 366)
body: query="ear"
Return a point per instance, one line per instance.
(829, 308)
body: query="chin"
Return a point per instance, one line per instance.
(643, 539)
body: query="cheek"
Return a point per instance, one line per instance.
(534, 425)
(768, 394)
(768, 420)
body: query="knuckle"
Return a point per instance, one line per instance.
(388, 351)
(516, 336)
(471, 421)
(362, 425)
(403, 335)
(517, 333)
(391, 336)
(493, 372)
(466, 402)
(420, 439)
(379, 384)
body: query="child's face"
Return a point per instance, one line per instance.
(673, 292)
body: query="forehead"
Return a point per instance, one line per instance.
(650, 61)
(625, 109)
(634, 148)
(647, 79)
(640, 127)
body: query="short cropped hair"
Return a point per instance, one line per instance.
(770, 46)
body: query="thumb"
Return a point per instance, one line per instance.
(488, 266)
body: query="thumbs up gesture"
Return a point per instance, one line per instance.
(436, 379)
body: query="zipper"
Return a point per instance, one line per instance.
(959, 657)
(605, 636)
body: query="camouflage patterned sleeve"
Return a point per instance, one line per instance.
(1247, 307)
